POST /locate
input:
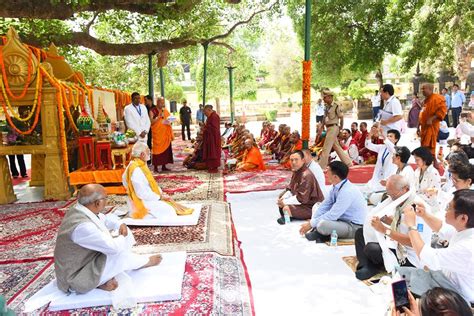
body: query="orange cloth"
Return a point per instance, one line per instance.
(297, 146)
(435, 105)
(99, 176)
(162, 133)
(253, 160)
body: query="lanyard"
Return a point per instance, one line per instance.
(335, 197)
(384, 156)
(139, 109)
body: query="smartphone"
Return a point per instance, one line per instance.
(400, 295)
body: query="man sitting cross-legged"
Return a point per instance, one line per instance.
(343, 210)
(302, 193)
(145, 196)
(378, 245)
(252, 158)
(86, 256)
(315, 168)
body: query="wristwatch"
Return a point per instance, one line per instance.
(413, 228)
(388, 231)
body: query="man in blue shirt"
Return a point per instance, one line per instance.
(457, 102)
(343, 210)
(447, 97)
(200, 117)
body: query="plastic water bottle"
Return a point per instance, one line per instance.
(333, 239)
(287, 217)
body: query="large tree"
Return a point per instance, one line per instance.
(351, 38)
(126, 27)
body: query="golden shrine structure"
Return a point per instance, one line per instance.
(41, 98)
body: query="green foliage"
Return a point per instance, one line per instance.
(351, 38)
(174, 92)
(357, 89)
(271, 115)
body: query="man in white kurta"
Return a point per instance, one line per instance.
(86, 254)
(317, 171)
(155, 203)
(137, 118)
(384, 167)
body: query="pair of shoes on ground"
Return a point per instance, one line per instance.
(314, 235)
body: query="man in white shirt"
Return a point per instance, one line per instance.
(317, 171)
(391, 116)
(375, 100)
(387, 234)
(457, 100)
(137, 118)
(86, 255)
(451, 267)
(384, 167)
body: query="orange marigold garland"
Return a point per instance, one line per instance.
(28, 79)
(62, 129)
(306, 109)
(38, 109)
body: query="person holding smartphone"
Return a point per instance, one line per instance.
(451, 267)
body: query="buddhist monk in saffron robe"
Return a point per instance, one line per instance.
(285, 145)
(211, 147)
(274, 145)
(296, 144)
(432, 114)
(252, 159)
(162, 152)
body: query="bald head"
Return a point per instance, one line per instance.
(427, 89)
(90, 194)
(248, 143)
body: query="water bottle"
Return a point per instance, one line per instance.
(287, 217)
(333, 239)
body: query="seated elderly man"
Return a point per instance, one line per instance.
(194, 160)
(301, 194)
(146, 199)
(452, 267)
(86, 255)
(295, 143)
(272, 146)
(252, 158)
(384, 236)
(343, 210)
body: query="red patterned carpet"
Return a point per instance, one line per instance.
(29, 230)
(20, 179)
(213, 285)
(241, 182)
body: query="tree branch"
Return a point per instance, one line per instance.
(88, 25)
(127, 49)
(60, 10)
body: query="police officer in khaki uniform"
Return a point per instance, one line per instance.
(334, 121)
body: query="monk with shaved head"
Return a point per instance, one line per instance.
(433, 113)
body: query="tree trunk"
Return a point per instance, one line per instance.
(218, 106)
(379, 77)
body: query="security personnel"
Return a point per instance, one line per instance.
(333, 120)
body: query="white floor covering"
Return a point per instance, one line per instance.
(290, 275)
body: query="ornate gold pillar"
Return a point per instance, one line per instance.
(37, 170)
(6, 193)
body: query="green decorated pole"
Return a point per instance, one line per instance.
(162, 82)
(231, 93)
(204, 79)
(150, 76)
(306, 108)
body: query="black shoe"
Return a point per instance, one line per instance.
(24, 176)
(281, 221)
(314, 235)
(366, 273)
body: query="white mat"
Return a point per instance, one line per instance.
(154, 284)
(307, 278)
(181, 220)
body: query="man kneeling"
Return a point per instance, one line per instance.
(145, 196)
(86, 255)
(343, 210)
(302, 193)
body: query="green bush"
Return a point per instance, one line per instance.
(271, 115)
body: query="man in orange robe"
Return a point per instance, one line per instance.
(162, 153)
(296, 144)
(432, 114)
(252, 159)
